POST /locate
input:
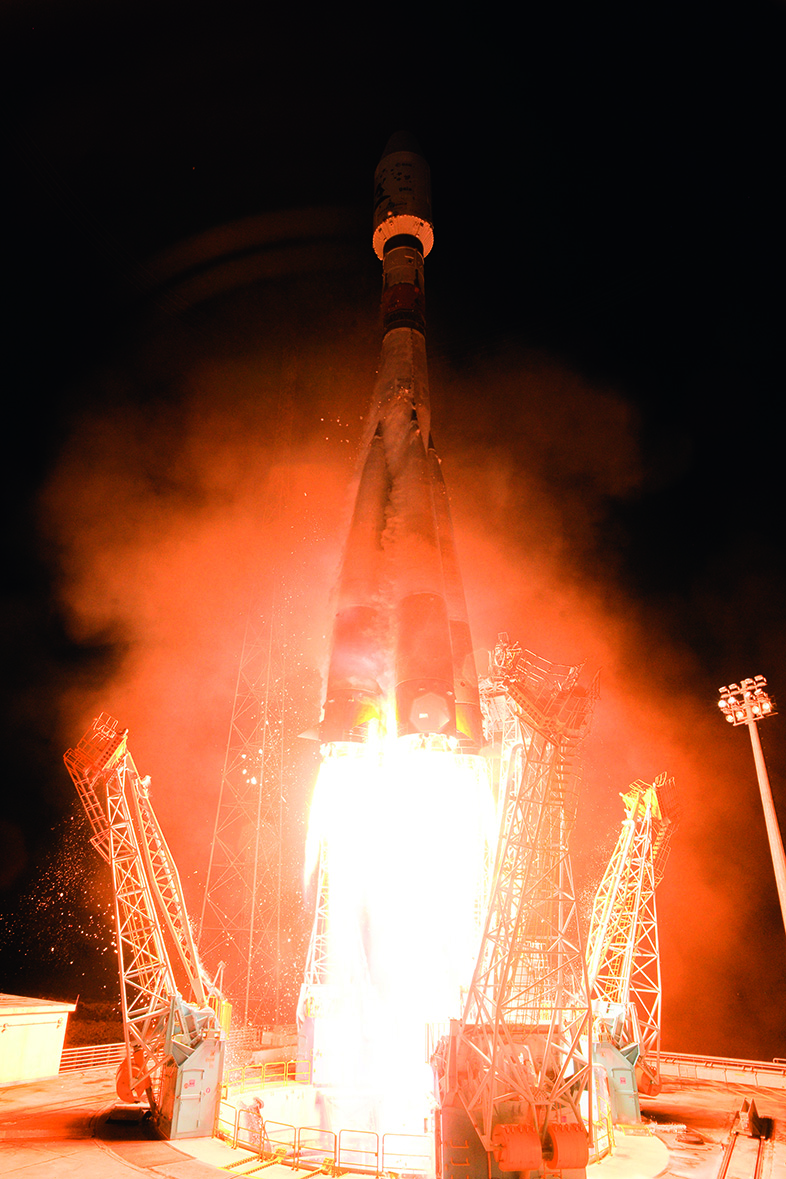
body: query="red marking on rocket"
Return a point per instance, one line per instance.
(401, 622)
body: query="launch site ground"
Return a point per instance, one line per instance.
(63, 1127)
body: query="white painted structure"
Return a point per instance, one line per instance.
(31, 1037)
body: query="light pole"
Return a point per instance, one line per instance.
(747, 703)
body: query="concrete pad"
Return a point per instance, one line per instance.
(189, 1169)
(214, 1151)
(47, 1128)
(86, 1161)
(47, 1131)
(17, 1157)
(636, 1156)
(154, 1153)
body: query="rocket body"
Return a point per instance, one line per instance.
(401, 634)
(391, 819)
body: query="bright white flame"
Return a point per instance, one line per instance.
(404, 831)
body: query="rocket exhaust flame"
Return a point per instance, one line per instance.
(403, 819)
(399, 833)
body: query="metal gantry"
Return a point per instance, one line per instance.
(241, 919)
(241, 926)
(171, 1012)
(317, 974)
(517, 1063)
(623, 952)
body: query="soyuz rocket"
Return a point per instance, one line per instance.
(401, 636)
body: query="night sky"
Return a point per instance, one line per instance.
(191, 337)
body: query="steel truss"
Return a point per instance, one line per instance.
(520, 1054)
(241, 918)
(242, 932)
(623, 953)
(150, 913)
(317, 973)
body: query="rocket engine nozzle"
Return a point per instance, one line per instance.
(351, 716)
(425, 706)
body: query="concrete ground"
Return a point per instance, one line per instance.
(57, 1128)
(696, 1120)
(636, 1156)
(61, 1128)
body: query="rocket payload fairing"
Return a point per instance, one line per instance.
(401, 633)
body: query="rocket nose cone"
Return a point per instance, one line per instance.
(402, 141)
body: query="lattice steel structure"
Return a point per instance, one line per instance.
(242, 928)
(314, 992)
(623, 953)
(241, 919)
(518, 1061)
(164, 994)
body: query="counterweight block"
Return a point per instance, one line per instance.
(516, 1148)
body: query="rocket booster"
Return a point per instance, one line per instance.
(401, 632)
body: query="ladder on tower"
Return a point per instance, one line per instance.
(513, 1071)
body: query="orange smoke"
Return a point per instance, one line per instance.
(187, 498)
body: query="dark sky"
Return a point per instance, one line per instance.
(191, 338)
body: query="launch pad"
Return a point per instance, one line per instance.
(448, 1021)
(52, 1127)
(287, 1123)
(445, 993)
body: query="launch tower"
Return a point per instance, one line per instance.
(173, 1017)
(515, 1070)
(623, 953)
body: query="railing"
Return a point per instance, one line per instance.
(279, 1139)
(412, 1153)
(274, 1072)
(228, 1123)
(249, 1076)
(91, 1056)
(603, 1141)
(245, 1037)
(358, 1150)
(768, 1074)
(312, 1148)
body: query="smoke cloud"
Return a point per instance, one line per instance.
(211, 476)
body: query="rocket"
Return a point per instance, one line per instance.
(401, 635)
